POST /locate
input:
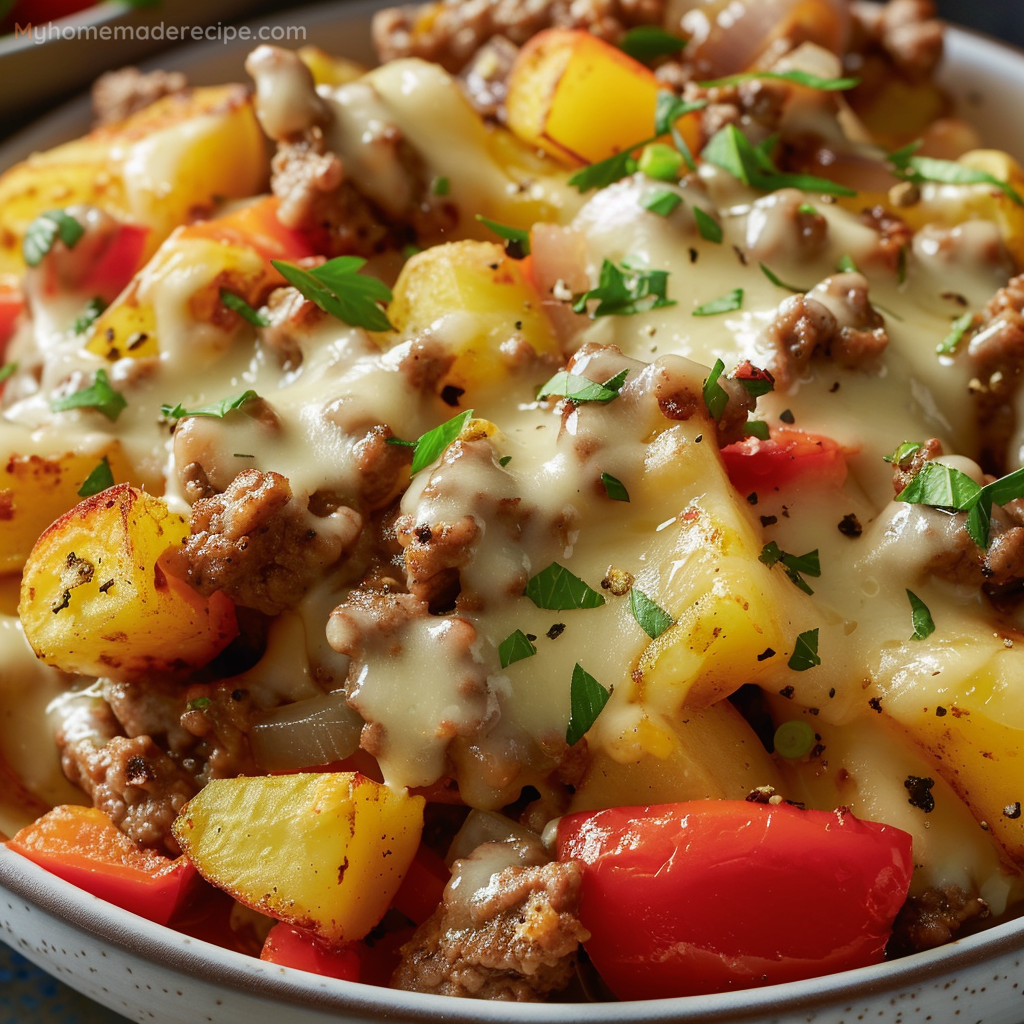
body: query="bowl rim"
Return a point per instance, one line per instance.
(162, 946)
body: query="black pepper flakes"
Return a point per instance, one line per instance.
(787, 692)
(766, 654)
(450, 394)
(831, 691)
(787, 416)
(555, 631)
(875, 704)
(941, 712)
(920, 792)
(849, 526)
(769, 520)
(752, 498)
(693, 255)
(1012, 810)
(835, 387)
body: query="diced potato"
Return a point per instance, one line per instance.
(708, 754)
(976, 740)
(158, 168)
(728, 606)
(96, 600)
(990, 203)
(36, 489)
(484, 299)
(582, 99)
(174, 306)
(325, 852)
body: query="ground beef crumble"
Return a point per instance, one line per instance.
(934, 918)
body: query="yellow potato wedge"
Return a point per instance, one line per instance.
(158, 168)
(582, 99)
(96, 600)
(325, 852)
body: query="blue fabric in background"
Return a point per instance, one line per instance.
(1001, 18)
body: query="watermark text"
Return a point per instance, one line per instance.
(161, 31)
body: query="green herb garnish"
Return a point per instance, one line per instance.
(707, 227)
(429, 446)
(960, 326)
(517, 236)
(614, 488)
(805, 651)
(7, 370)
(587, 698)
(901, 456)
(660, 162)
(651, 617)
(799, 77)
(99, 396)
(794, 739)
(758, 429)
(919, 169)
(647, 43)
(779, 283)
(217, 410)
(243, 309)
(89, 315)
(796, 566)
(625, 291)
(339, 289)
(41, 234)
(716, 398)
(515, 647)
(924, 626)
(724, 304)
(582, 389)
(98, 480)
(558, 589)
(662, 202)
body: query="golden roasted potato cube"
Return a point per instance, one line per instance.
(36, 489)
(727, 605)
(582, 99)
(158, 168)
(328, 69)
(326, 852)
(95, 598)
(478, 279)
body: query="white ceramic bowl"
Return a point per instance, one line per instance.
(150, 973)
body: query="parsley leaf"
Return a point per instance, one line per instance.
(587, 698)
(668, 109)
(901, 456)
(559, 590)
(731, 150)
(243, 309)
(662, 202)
(651, 617)
(518, 236)
(959, 327)
(805, 651)
(580, 389)
(924, 626)
(339, 289)
(946, 172)
(504, 461)
(614, 488)
(41, 234)
(98, 480)
(715, 396)
(846, 265)
(606, 172)
(755, 381)
(708, 228)
(89, 315)
(515, 647)
(429, 446)
(794, 565)
(758, 429)
(646, 43)
(799, 77)
(779, 283)
(724, 304)
(624, 291)
(199, 704)
(99, 396)
(7, 370)
(218, 410)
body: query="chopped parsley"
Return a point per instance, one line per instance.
(924, 626)
(799, 77)
(98, 480)
(727, 303)
(514, 236)
(606, 172)
(7, 370)
(646, 43)
(779, 283)
(758, 429)
(89, 315)
(624, 291)
(515, 647)
(903, 453)
(587, 698)
(99, 396)
(918, 169)
(731, 150)
(338, 288)
(668, 109)
(959, 327)
(217, 410)
(651, 617)
(707, 227)
(243, 309)
(805, 651)
(199, 704)
(716, 398)
(795, 566)
(662, 202)
(755, 381)
(504, 461)
(846, 265)
(614, 488)
(578, 389)
(44, 231)
(441, 186)
(429, 446)
(558, 589)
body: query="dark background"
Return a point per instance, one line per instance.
(1001, 18)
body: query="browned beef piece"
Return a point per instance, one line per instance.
(904, 472)
(119, 94)
(259, 545)
(134, 782)
(934, 918)
(515, 940)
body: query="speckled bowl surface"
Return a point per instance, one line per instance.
(149, 973)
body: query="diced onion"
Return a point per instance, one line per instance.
(305, 734)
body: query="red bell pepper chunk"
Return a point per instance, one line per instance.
(758, 466)
(295, 947)
(256, 225)
(12, 305)
(707, 896)
(115, 266)
(83, 846)
(423, 886)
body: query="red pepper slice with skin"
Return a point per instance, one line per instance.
(758, 466)
(84, 847)
(708, 896)
(289, 946)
